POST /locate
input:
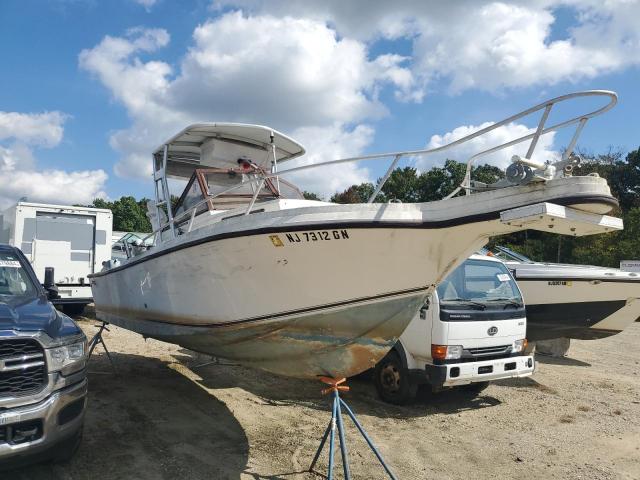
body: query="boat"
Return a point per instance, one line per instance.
(581, 302)
(243, 267)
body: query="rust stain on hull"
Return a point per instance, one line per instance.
(335, 343)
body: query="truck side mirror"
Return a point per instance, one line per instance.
(424, 308)
(50, 284)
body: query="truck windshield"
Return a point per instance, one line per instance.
(480, 283)
(14, 279)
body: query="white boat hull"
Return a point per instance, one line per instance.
(284, 308)
(561, 305)
(307, 289)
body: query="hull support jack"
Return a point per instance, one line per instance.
(336, 422)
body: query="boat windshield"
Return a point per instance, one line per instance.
(14, 279)
(213, 189)
(479, 284)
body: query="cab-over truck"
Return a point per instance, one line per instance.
(470, 331)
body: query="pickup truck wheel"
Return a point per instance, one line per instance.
(392, 381)
(475, 387)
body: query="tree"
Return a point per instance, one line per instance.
(622, 174)
(408, 186)
(129, 214)
(439, 182)
(609, 248)
(486, 174)
(401, 185)
(354, 194)
(310, 196)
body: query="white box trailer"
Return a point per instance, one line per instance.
(74, 241)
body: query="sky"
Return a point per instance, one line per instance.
(90, 88)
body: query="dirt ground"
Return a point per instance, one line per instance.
(164, 415)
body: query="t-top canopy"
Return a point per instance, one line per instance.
(220, 145)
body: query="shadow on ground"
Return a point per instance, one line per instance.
(526, 382)
(150, 422)
(275, 390)
(570, 362)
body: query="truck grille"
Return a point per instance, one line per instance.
(490, 351)
(22, 367)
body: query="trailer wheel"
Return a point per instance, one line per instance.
(475, 388)
(73, 309)
(392, 380)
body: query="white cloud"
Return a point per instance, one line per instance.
(52, 186)
(486, 45)
(147, 4)
(296, 75)
(42, 129)
(19, 175)
(329, 143)
(500, 45)
(16, 157)
(305, 68)
(135, 83)
(502, 158)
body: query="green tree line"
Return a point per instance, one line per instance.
(408, 185)
(129, 214)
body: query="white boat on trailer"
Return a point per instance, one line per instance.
(582, 302)
(244, 268)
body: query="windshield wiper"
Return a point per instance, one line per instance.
(508, 301)
(477, 305)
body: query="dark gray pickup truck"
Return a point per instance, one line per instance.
(43, 384)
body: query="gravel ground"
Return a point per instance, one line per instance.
(165, 415)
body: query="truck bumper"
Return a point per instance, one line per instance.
(73, 294)
(32, 432)
(454, 374)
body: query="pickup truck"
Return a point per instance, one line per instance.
(43, 382)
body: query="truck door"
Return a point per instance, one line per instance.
(66, 243)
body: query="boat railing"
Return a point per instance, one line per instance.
(259, 179)
(579, 120)
(192, 211)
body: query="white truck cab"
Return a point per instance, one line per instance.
(470, 331)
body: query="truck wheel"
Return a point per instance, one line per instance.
(73, 309)
(475, 388)
(392, 380)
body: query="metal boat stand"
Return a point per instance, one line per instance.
(96, 339)
(336, 421)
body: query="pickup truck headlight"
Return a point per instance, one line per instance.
(67, 358)
(519, 345)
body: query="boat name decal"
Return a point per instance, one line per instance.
(560, 282)
(317, 236)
